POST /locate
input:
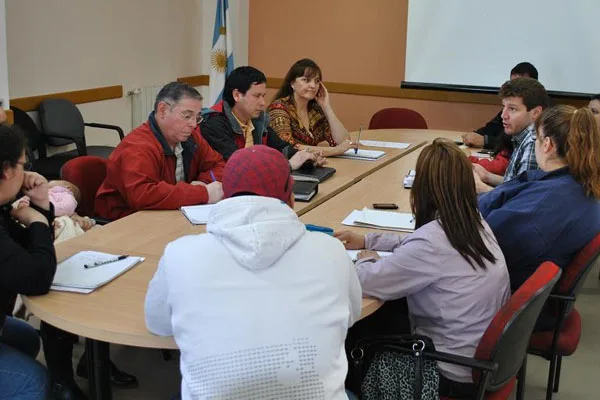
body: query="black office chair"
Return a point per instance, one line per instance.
(63, 124)
(49, 167)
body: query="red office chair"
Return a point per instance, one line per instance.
(564, 338)
(397, 118)
(501, 352)
(87, 173)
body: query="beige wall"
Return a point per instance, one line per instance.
(353, 41)
(62, 45)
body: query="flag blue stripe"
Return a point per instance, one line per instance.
(219, 21)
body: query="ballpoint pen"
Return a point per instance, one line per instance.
(358, 140)
(99, 263)
(212, 176)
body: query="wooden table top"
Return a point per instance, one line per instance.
(115, 312)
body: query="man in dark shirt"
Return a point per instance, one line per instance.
(240, 120)
(488, 136)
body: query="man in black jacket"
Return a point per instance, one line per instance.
(240, 120)
(488, 136)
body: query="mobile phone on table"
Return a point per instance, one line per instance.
(385, 206)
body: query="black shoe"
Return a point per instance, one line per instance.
(118, 378)
(67, 391)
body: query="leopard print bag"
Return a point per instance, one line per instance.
(395, 368)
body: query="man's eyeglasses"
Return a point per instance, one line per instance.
(26, 165)
(188, 117)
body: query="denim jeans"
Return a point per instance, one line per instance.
(21, 376)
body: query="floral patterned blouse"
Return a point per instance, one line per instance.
(285, 122)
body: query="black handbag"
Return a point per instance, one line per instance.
(387, 366)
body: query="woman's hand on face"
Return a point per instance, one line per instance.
(322, 96)
(351, 240)
(36, 187)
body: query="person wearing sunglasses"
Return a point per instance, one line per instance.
(165, 163)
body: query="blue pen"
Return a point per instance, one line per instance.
(317, 228)
(212, 176)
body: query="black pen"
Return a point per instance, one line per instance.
(99, 263)
(358, 140)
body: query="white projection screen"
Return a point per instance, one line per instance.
(477, 42)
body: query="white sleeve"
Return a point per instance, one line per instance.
(355, 293)
(156, 308)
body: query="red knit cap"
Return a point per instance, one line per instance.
(260, 170)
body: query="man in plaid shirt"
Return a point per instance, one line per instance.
(523, 100)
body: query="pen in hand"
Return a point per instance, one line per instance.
(358, 139)
(99, 263)
(212, 176)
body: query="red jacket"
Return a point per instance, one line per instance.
(497, 165)
(141, 174)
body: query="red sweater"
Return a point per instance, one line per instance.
(141, 174)
(497, 165)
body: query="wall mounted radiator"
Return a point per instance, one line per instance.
(142, 103)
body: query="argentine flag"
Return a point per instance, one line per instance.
(221, 55)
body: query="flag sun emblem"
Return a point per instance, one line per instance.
(218, 60)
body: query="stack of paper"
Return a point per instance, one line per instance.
(389, 145)
(73, 276)
(354, 254)
(389, 220)
(362, 154)
(197, 215)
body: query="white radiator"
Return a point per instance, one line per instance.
(142, 103)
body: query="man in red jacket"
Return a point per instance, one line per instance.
(164, 163)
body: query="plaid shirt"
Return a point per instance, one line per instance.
(523, 156)
(179, 171)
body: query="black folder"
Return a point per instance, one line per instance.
(313, 174)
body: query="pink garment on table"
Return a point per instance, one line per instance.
(63, 200)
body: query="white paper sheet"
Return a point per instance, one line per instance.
(387, 220)
(354, 254)
(71, 272)
(362, 154)
(197, 215)
(389, 145)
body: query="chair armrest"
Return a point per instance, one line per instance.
(106, 126)
(484, 365)
(562, 297)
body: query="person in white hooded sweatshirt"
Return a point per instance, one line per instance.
(258, 306)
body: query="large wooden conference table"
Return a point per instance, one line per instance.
(115, 312)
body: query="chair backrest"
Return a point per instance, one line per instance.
(62, 117)
(87, 173)
(574, 274)
(25, 123)
(506, 339)
(397, 118)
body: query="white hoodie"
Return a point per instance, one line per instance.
(258, 306)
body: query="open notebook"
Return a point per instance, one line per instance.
(362, 154)
(389, 220)
(72, 276)
(197, 215)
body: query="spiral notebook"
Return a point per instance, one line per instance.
(72, 275)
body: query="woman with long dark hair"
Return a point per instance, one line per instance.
(450, 269)
(302, 115)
